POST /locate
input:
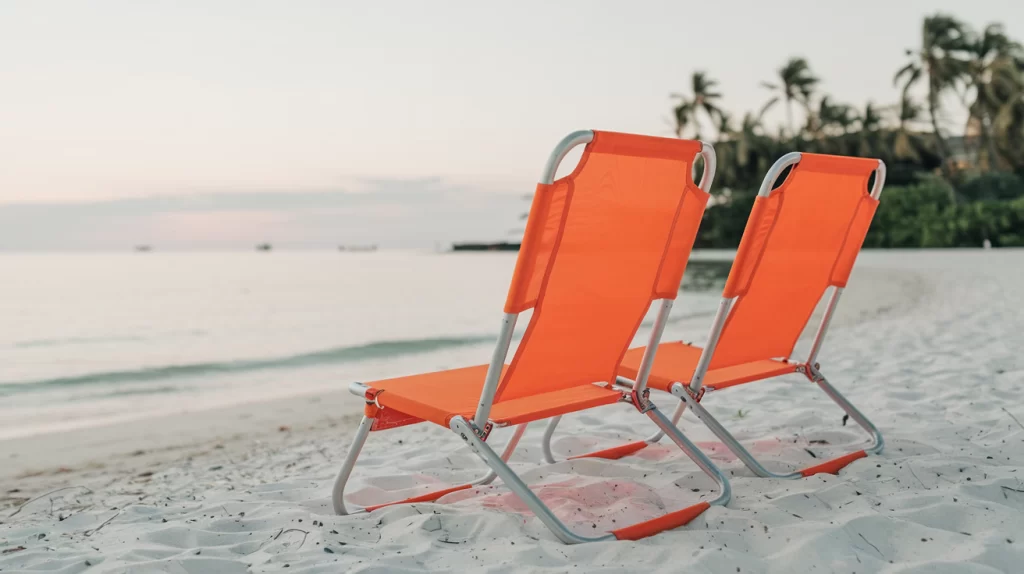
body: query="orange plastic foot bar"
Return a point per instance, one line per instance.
(661, 523)
(833, 466)
(428, 497)
(615, 452)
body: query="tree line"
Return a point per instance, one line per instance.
(945, 187)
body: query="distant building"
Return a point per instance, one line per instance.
(963, 152)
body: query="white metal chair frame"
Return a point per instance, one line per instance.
(474, 432)
(691, 395)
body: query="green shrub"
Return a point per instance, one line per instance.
(992, 186)
(917, 215)
(922, 215)
(912, 216)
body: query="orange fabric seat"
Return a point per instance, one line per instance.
(800, 239)
(439, 396)
(680, 360)
(589, 289)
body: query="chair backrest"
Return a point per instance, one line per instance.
(801, 238)
(600, 245)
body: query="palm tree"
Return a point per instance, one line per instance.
(818, 119)
(829, 124)
(755, 151)
(744, 154)
(704, 100)
(846, 117)
(840, 116)
(905, 141)
(940, 61)
(795, 84)
(871, 144)
(750, 130)
(871, 120)
(1008, 124)
(724, 127)
(994, 79)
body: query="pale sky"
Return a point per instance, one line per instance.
(110, 100)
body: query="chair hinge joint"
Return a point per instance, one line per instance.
(483, 433)
(371, 397)
(479, 433)
(695, 396)
(642, 401)
(812, 372)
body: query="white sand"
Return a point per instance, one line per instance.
(928, 344)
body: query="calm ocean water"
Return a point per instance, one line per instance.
(92, 338)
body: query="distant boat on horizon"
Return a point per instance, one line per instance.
(496, 246)
(264, 247)
(143, 248)
(358, 248)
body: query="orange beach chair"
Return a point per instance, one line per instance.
(800, 241)
(601, 246)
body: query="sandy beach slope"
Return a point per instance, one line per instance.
(928, 344)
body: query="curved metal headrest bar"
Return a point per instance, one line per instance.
(793, 158)
(876, 191)
(565, 146)
(707, 151)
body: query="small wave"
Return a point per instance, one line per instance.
(73, 341)
(32, 343)
(328, 356)
(139, 391)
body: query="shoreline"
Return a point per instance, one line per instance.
(168, 437)
(163, 439)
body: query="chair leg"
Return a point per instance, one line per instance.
(546, 441)
(832, 466)
(611, 453)
(877, 442)
(467, 432)
(338, 492)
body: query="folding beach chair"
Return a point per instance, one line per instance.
(600, 246)
(800, 241)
